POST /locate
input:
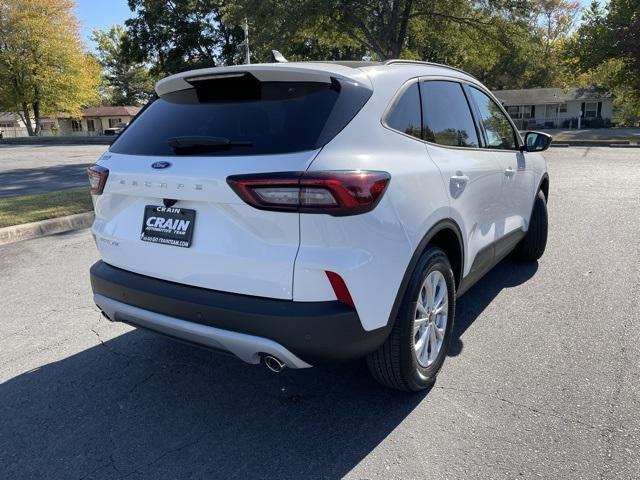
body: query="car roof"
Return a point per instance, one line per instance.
(321, 71)
(395, 61)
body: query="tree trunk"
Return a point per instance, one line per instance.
(397, 29)
(404, 25)
(27, 119)
(36, 117)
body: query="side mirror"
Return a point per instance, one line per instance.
(536, 142)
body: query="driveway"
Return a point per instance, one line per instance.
(543, 380)
(27, 169)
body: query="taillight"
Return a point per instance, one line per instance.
(337, 193)
(97, 178)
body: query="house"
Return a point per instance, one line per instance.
(557, 107)
(11, 125)
(92, 121)
(96, 120)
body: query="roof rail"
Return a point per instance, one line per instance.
(394, 61)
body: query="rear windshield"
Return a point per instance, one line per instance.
(243, 116)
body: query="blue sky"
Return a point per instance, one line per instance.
(100, 14)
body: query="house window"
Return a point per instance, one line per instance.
(114, 122)
(527, 111)
(563, 108)
(590, 109)
(91, 125)
(514, 111)
(7, 125)
(551, 110)
(76, 125)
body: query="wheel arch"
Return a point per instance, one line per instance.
(445, 234)
(544, 186)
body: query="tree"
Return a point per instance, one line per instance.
(126, 82)
(606, 49)
(495, 40)
(177, 35)
(555, 19)
(381, 27)
(44, 69)
(502, 42)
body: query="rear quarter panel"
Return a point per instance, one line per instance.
(371, 251)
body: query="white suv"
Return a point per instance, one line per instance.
(301, 213)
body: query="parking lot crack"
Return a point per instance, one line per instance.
(130, 357)
(624, 364)
(521, 405)
(137, 385)
(164, 454)
(97, 469)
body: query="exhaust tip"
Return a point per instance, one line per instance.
(273, 364)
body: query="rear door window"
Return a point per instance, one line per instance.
(405, 115)
(243, 116)
(498, 129)
(446, 114)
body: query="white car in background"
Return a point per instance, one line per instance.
(302, 213)
(117, 130)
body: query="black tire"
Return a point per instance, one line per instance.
(532, 246)
(394, 364)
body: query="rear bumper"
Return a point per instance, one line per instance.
(299, 333)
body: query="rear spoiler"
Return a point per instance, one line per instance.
(269, 72)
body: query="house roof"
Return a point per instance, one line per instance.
(109, 111)
(536, 96)
(8, 117)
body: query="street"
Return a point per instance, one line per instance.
(27, 169)
(543, 380)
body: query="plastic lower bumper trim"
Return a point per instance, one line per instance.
(315, 332)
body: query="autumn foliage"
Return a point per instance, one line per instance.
(44, 69)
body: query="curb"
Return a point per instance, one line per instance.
(98, 140)
(565, 144)
(631, 145)
(27, 231)
(593, 143)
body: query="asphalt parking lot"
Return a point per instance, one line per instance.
(543, 380)
(27, 169)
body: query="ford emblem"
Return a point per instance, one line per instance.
(160, 165)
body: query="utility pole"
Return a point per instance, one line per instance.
(246, 42)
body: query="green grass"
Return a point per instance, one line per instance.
(31, 208)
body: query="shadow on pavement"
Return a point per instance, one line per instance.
(26, 181)
(508, 273)
(143, 406)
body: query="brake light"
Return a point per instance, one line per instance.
(340, 289)
(337, 193)
(97, 178)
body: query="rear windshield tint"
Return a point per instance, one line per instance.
(254, 117)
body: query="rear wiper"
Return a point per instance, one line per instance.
(180, 143)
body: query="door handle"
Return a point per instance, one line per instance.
(509, 172)
(457, 184)
(459, 179)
